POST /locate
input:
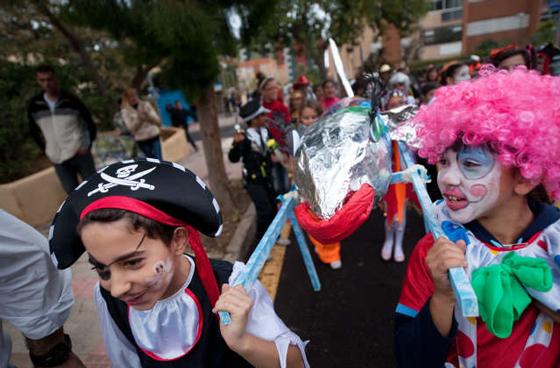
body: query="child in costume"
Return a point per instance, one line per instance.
(496, 143)
(252, 148)
(157, 305)
(395, 201)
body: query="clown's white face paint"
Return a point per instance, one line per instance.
(469, 181)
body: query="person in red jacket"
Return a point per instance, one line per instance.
(278, 125)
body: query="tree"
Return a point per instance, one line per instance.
(30, 38)
(35, 33)
(310, 23)
(184, 38)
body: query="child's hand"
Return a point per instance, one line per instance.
(238, 137)
(237, 302)
(443, 256)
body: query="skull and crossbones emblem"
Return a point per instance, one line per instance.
(125, 177)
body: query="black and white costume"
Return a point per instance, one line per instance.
(181, 330)
(174, 328)
(257, 165)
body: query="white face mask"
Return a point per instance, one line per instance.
(469, 180)
(462, 74)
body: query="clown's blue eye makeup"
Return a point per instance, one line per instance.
(475, 162)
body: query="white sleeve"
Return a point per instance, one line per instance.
(35, 296)
(130, 119)
(153, 113)
(265, 324)
(120, 351)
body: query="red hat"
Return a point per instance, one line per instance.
(302, 81)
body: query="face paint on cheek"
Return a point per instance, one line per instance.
(479, 190)
(159, 267)
(162, 271)
(482, 196)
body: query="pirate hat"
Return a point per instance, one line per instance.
(163, 191)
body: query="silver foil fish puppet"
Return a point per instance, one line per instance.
(343, 166)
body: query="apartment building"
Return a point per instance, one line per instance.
(457, 27)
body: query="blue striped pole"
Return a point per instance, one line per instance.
(259, 256)
(466, 298)
(307, 260)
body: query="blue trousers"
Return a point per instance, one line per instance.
(68, 170)
(151, 147)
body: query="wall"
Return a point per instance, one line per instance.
(499, 20)
(35, 198)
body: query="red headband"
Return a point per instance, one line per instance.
(203, 266)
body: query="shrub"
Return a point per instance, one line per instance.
(17, 150)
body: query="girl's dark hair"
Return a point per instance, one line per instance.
(497, 59)
(427, 87)
(429, 71)
(264, 82)
(449, 72)
(327, 81)
(311, 105)
(153, 229)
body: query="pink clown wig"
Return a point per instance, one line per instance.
(516, 113)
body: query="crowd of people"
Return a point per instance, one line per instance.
(492, 132)
(280, 115)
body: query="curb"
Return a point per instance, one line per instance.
(244, 235)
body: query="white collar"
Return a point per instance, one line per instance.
(259, 137)
(52, 103)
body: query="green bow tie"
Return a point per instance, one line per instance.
(501, 293)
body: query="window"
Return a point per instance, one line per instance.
(443, 35)
(451, 14)
(446, 4)
(437, 5)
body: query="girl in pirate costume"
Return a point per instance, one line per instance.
(157, 306)
(496, 141)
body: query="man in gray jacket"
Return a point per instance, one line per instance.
(63, 128)
(35, 297)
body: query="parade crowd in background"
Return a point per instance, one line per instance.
(273, 112)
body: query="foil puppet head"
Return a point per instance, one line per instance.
(343, 168)
(399, 123)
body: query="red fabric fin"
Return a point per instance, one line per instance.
(344, 222)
